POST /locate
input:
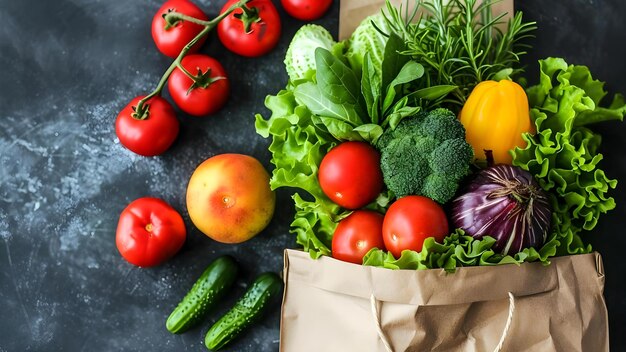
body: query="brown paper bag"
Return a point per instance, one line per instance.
(334, 306)
(352, 12)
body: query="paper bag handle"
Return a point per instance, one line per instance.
(385, 341)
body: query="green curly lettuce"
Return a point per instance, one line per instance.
(457, 250)
(563, 155)
(297, 149)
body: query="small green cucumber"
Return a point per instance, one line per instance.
(210, 287)
(245, 312)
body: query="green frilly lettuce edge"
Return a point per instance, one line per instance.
(457, 250)
(297, 149)
(563, 155)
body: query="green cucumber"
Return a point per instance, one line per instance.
(245, 312)
(210, 287)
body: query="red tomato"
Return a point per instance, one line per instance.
(170, 40)
(306, 10)
(356, 235)
(350, 174)
(410, 220)
(152, 135)
(261, 36)
(210, 93)
(149, 232)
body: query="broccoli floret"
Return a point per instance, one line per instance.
(452, 158)
(442, 125)
(403, 161)
(425, 155)
(439, 187)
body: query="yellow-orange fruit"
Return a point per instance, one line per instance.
(229, 198)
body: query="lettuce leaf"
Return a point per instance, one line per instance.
(563, 155)
(297, 149)
(457, 250)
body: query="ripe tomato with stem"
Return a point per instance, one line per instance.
(253, 30)
(199, 86)
(142, 128)
(171, 34)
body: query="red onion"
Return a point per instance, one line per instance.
(506, 203)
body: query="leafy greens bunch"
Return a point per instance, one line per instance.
(395, 67)
(328, 103)
(460, 44)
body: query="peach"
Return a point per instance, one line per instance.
(229, 198)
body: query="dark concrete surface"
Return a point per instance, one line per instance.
(69, 66)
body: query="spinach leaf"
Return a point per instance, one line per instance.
(398, 115)
(430, 93)
(393, 61)
(369, 132)
(341, 130)
(336, 80)
(370, 88)
(310, 95)
(408, 73)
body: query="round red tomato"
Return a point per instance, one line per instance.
(410, 220)
(356, 235)
(209, 93)
(170, 40)
(153, 134)
(149, 232)
(350, 174)
(251, 33)
(306, 10)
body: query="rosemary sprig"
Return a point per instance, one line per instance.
(460, 43)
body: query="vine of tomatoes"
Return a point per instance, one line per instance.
(198, 84)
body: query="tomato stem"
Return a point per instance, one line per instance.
(187, 73)
(248, 17)
(141, 110)
(173, 17)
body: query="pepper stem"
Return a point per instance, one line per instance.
(141, 110)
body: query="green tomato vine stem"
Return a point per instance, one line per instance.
(141, 110)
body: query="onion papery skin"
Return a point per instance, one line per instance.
(506, 203)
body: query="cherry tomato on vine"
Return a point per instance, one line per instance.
(210, 91)
(251, 32)
(410, 220)
(149, 232)
(350, 174)
(306, 10)
(356, 235)
(151, 134)
(170, 39)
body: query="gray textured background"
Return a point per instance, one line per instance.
(68, 67)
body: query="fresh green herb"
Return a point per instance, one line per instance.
(460, 43)
(563, 155)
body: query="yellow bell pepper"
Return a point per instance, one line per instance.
(495, 116)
